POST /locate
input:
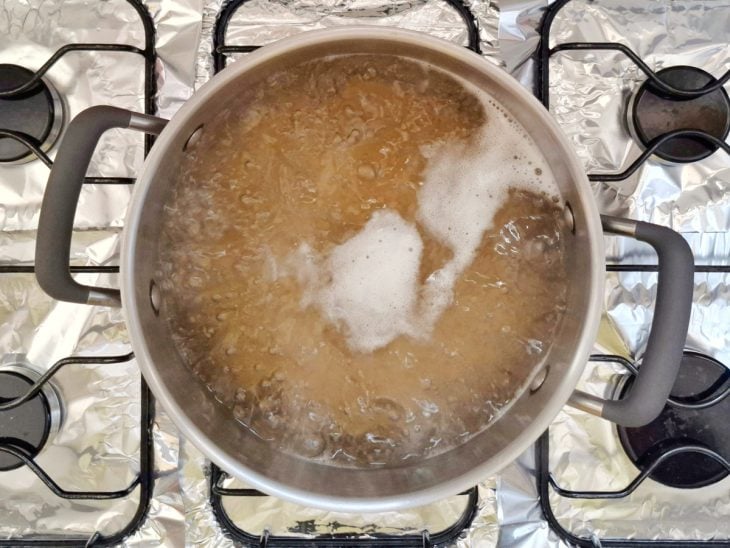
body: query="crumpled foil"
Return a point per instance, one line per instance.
(259, 22)
(103, 399)
(98, 445)
(589, 92)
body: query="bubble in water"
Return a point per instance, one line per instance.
(366, 171)
(428, 408)
(391, 409)
(313, 445)
(513, 231)
(534, 346)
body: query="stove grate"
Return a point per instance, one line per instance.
(545, 480)
(144, 480)
(150, 87)
(711, 398)
(542, 91)
(425, 540)
(222, 50)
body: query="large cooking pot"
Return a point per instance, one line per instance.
(211, 426)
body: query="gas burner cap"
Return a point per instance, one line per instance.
(700, 379)
(28, 426)
(37, 112)
(653, 112)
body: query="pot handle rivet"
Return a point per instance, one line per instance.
(155, 297)
(569, 217)
(539, 379)
(194, 138)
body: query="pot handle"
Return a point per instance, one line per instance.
(55, 224)
(660, 364)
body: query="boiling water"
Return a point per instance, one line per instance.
(364, 258)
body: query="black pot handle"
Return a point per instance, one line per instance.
(659, 366)
(55, 224)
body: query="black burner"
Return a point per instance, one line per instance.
(655, 113)
(700, 379)
(36, 112)
(27, 426)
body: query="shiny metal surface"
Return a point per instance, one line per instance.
(59, 118)
(209, 425)
(691, 198)
(590, 92)
(587, 402)
(622, 227)
(97, 445)
(17, 363)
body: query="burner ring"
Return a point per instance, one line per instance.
(700, 378)
(37, 112)
(653, 113)
(29, 426)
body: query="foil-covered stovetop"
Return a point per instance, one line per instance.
(100, 447)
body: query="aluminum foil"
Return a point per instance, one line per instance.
(259, 22)
(98, 445)
(692, 199)
(589, 93)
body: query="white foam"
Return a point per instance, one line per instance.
(368, 286)
(305, 265)
(372, 289)
(464, 186)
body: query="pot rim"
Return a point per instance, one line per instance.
(370, 504)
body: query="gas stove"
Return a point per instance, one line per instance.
(86, 457)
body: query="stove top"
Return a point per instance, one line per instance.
(87, 459)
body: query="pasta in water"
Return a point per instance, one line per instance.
(364, 258)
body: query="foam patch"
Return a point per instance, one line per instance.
(464, 186)
(372, 290)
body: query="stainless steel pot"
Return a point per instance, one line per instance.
(211, 427)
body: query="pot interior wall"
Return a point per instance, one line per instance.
(244, 455)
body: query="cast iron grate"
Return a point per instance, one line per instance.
(144, 480)
(545, 480)
(149, 55)
(222, 50)
(542, 92)
(150, 88)
(423, 540)
(221, 53)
